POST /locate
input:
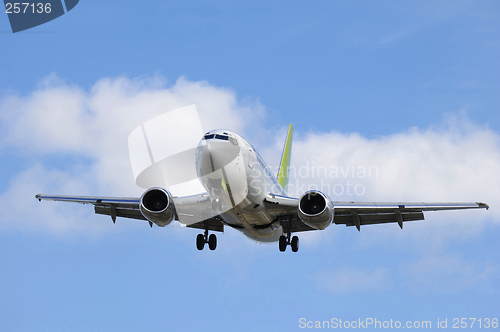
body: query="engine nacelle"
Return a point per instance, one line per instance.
(157, 206)
(316, 209)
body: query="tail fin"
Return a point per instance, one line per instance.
(285, 159)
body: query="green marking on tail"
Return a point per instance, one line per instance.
(285, 160)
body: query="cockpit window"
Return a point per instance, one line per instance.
(222, 137)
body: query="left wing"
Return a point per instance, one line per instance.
(126, 207)
(192, 210)
(357, 214)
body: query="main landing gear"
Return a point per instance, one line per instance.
(285, 241)
(287, 238)
(201, 239)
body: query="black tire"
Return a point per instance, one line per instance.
(212, 242)
(282, 243)
(200, 241)
(295, 244)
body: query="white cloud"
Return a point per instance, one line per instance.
(60, 120)
(20, 210)
(452, 161)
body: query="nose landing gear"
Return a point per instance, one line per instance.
(201, 239)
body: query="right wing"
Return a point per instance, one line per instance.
(360, 213)
(357, 214)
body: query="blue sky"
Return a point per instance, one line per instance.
(411, 88)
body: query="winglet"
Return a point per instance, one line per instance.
(285, 159)
(483, 205)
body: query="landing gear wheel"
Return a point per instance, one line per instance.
(295, 244)
(212, 241)
(282, 243)
(200, 241)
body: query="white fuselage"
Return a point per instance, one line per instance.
(238, 180)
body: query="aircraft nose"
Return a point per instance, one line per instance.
(213, 155)
(204, 163)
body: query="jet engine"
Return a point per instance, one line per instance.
(315, 209)
(157, 206)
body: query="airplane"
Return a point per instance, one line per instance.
(242, 193)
